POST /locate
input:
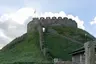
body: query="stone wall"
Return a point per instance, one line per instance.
(50, 21)
(88, 56)
(76, 59)
(38, 23)
(44, 22)
(33, 25)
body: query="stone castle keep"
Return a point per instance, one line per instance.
(53, 21)
(37, 24)
(45, 22)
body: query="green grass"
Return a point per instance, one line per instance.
(25, 49)
(74, 33)
(59, 46)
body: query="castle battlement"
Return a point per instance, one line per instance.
(52, 21)
(46, 18)
(55, 20)
(37, 24)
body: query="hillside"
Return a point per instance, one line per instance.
(59, 40)
(63, 40)
(22, 49)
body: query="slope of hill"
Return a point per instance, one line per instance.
(59, 40)
(63, 40)
(22, 49)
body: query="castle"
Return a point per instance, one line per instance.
(37, 24)
(44, 22)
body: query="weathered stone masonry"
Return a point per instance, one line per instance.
(39, 23)
(50, 21)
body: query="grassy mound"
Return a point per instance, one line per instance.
(22, 49)
(59, 40)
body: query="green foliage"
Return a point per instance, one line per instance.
(59, 46)
(74, 33)
(26, 49)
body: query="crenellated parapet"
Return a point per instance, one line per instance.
(49, 21)
(37, 24)
(56, 20)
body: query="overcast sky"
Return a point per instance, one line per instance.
(15, 14)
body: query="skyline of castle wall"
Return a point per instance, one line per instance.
(37, 24)
(45, 22)
(61, 21)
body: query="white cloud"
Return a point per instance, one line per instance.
(13, 24)
(4, 17)
(93, 21)
(79, 22)
(3, 35)
(50, 14)
(3, 39)
(19, 16)
(1, 46)
(92, 28)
